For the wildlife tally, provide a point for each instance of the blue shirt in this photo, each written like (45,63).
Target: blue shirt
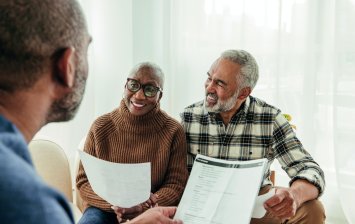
(24,197)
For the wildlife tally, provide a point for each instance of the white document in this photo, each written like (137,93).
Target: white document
(220,191)
(123,185)
(259,210)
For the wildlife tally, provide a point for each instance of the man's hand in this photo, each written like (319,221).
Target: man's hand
(286,201)
(283,204)
(157,215)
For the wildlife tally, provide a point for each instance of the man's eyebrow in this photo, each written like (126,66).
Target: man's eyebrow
(217,80)
(221,81)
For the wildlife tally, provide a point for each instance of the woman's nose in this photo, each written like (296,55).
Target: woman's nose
(139,94)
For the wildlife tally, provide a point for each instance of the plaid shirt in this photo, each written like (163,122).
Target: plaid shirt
(256,131)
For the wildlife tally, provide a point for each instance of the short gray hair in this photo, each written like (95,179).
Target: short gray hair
(249,68)
(156,71)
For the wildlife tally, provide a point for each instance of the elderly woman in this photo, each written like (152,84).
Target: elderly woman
(137,131)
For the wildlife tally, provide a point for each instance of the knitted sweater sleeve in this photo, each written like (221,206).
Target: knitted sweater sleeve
(176,176)
(89,197)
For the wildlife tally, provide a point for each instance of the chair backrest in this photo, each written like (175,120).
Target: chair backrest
(52,165)
(78,201)
(272,177)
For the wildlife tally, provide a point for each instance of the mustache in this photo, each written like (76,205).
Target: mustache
(212,95)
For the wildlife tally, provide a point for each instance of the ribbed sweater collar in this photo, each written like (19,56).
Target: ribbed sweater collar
(152,121)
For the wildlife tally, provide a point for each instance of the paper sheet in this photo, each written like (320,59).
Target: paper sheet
(220,191)
(123,185)
(259,210)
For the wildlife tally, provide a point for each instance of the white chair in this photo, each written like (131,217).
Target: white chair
(78,201)
(52,165)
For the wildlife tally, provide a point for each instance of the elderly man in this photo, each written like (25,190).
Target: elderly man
(233,125)
(43,69)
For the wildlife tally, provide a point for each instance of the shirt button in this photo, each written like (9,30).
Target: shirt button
(198,150)
(250,152)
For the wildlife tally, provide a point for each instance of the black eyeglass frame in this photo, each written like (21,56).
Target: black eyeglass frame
(157,89)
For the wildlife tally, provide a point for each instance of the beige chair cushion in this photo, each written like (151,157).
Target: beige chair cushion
(52,165)
(78,201)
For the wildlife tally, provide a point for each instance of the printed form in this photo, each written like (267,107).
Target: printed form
(221,192)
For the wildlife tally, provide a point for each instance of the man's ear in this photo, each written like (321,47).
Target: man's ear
(65,67)
(244,93)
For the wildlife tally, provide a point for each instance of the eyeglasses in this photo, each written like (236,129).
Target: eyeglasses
(149,90)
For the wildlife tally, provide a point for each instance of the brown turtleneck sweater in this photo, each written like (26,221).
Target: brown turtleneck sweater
(155,137)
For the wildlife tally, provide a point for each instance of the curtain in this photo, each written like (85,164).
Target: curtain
(344,104)
(306,56)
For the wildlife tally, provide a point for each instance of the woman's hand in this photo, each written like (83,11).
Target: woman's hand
(129,213)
